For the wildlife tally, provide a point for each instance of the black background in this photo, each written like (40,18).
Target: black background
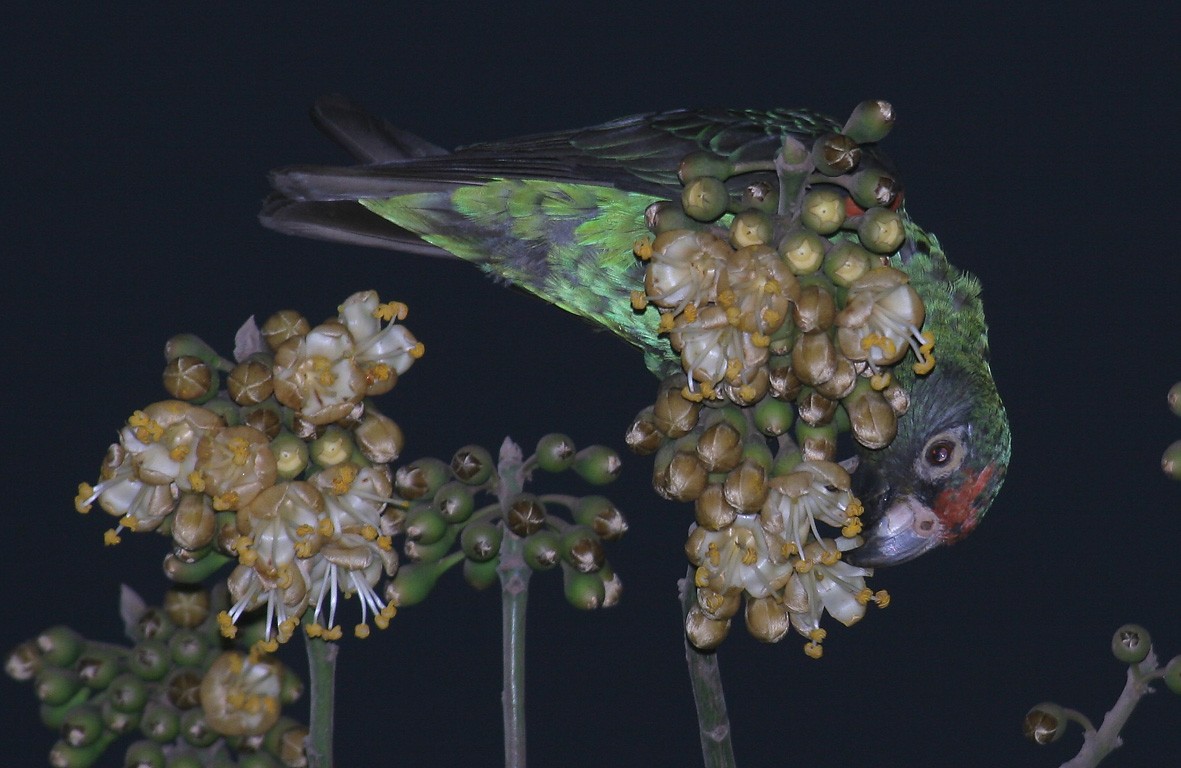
(1039,144)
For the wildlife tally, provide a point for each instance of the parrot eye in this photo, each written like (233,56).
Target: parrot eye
(941,456)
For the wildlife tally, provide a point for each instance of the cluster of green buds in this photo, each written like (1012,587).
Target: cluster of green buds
(188,697)
(773,279)
(475,510)
(283,471)
(1132,645)
(1171,460)
(775,284)
(772,520)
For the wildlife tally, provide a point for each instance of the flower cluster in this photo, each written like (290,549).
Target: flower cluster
(284,471)
(777,284)
(784,287)
(189,695)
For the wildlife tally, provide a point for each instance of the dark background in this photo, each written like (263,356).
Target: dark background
(1039,145)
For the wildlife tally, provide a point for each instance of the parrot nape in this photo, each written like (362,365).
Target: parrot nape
(557,215)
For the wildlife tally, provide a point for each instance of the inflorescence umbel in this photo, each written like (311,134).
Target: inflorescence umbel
(773,283)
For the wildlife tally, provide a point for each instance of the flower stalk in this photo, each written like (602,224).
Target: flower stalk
(514,593)
(322,694)
(713,721)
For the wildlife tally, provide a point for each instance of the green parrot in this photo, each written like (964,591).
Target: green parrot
(558,214)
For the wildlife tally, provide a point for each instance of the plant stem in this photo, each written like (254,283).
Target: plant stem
(514,592)
(322,692)
(1098,744)
(713,722)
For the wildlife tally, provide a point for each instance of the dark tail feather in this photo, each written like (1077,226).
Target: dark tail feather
(341,222)
(367,138)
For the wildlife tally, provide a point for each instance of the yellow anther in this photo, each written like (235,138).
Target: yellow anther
(747,392)
(361,631)
(241,450)
(303,549)
(924,366)
(864,596)
(750,556)
(727,298)
(733,315)
(701,577)
(179,452)
(83,501)
(642,248)
(803,566)
(689,312)
(690,395)
(418,350)
(884,343)
(713,602)
(667,323)
(813,650)
(325,527)
(197,481)
(368,532)
(227,500)
(882,598)
(789,549)
(771,317)
(267,646)
(733,369)
(146,429)
(851,528)
(225,625)
(760,340)
(639,301)
(817,634)
(771,286)
(315,629)
(390,610)
(830,556)
(391,310)
(855,508)
(129,522)
(385,543)
(111,537)
(380,372)
(715,557)
(880,381)
(333,633)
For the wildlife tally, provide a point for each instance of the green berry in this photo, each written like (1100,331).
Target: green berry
(57,685)
(1170,461)
(703,163)
(195,730)
(481,541)
(481,575)
(455,502)
(150,659)
(598,464)
(881,230)
(870,122)
(82,725)
(555,452)
(773,417)
(160,723)
(188,647)
(144,754)
(127,693)
(1131,643)
(1172,676)
(542,550)
(97,667)
(414,581)
(846,262)
(585,591)
(582,549)
(823,211)
(421,477)
(60,646)
(601,516)
(751,227)
(803,250)
(425,524)
(835,154)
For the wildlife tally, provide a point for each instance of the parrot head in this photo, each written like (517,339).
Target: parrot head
(937,479)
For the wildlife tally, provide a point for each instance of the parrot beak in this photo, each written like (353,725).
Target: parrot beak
(902,531)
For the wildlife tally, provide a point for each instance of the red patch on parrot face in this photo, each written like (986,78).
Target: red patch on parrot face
(956,507)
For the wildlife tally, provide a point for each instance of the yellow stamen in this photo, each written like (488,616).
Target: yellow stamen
(864,596)
(667,323)
(325,527)
(129,522)
(830,556)
(750,556)
(639,301)
(715,557)
(368,532)
(343,479)
(880,381)
(855,508)
(418,350)
(882,598)
(689,312)
(225,625)
(111,537)
(851,528)
(227,500)
(690,395)
(813,650)
(924,366)
(803,566)
(361,631)
(197,481)
(385,543)
(391,310)
(82,502)
(179,453)
(642,249)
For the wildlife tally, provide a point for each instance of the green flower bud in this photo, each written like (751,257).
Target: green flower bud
(543,550)
(481,575)
(750,227)
(786,459)
(455,502)
(585,591)
(188,647)
(291,455)
(127,693)
(414,581)
(745,487)
(144,754)
(1131,643)
(823,211)
(419,552)
(1170,462)
(666,216)
(755,449)
(98,666)
(1172,676)
(425,524)
(582,549)
(773,417)
(191,345)
(555,452)
(195,730)
(881,230)
(835,154)
(703,163)
(870,122)
(150,659)
(601,516)
(1045,723)
(160,722)
(705,198)
(874,188)
(420,478)
(473,464)
(712,510)
(642,436)
(1175,399)
(720,447)
(63,755)
(190,378)
(118,722)
(481,541)
(334,446)
(598,464)
(185,567)
(56,685)
(705,633)
(525,514)
(60,646)
(817,443)
(802,250)
(225,410)
(846,262)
